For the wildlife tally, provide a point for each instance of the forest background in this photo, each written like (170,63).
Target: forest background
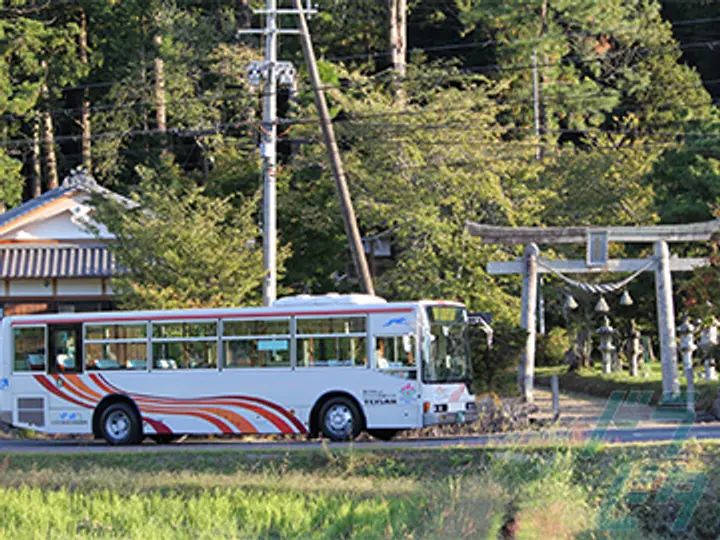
(152,98)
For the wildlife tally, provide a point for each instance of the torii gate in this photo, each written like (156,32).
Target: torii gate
(597,240)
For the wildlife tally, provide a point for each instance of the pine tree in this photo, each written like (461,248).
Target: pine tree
(603,66)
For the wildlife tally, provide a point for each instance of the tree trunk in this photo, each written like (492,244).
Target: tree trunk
(85,111)
(398,46)
(160,97)
(49,147)
(48,135)
(36,170)
(243,14)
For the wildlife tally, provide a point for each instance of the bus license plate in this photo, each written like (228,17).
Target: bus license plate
(460,416)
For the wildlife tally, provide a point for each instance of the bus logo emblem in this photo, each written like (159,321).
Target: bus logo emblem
(400,320)
(408,393)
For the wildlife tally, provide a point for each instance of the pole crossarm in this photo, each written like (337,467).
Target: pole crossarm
(577,266)
(495,234)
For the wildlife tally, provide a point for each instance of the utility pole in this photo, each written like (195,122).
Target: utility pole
(269,154)
(398,45)
(346,206)
(272,72)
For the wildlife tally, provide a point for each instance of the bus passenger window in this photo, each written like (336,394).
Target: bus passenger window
(331,351)
(185,345)
(396,355)
(244,353)
(29,349)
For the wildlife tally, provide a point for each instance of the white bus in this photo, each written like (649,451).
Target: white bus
(331,364)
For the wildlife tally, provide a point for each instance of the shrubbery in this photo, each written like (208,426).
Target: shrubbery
(491,364)
(551,347)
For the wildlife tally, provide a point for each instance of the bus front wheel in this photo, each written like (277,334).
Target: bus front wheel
(340,419)
(119,424)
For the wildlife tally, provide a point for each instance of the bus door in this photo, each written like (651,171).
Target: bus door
(65,348)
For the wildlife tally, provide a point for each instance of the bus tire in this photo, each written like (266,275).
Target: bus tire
(340,419)
(119,424)
(383,434)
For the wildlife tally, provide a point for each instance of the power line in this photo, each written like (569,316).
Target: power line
(449,46)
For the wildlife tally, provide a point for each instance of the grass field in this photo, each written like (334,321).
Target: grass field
(654,491)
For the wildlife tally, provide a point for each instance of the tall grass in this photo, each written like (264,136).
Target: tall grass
(558,492)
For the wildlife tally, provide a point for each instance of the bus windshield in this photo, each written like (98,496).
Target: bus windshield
(446,356)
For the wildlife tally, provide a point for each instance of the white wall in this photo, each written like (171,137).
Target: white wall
(64,220)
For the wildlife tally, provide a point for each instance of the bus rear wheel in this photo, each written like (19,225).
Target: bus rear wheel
(340,419)
(119,424)
(383,434)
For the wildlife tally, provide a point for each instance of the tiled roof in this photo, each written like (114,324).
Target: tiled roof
(43,261)
(78,180)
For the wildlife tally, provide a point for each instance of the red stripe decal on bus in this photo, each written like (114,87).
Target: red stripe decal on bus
(80,385)
(144,404)
(54,390)
(157,425)
(178,412)
(216,400)
(70,388)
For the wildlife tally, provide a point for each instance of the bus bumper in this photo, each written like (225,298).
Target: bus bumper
(445,418)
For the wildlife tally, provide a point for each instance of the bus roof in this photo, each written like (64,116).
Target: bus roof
(305,305)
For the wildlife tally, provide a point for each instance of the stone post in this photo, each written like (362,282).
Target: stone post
(687,343)
(687,347)
(708,339)
(636,349)
(710,373)
(555,387)
(528,321)
(606,345)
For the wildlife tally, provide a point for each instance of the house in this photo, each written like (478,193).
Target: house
(49,261)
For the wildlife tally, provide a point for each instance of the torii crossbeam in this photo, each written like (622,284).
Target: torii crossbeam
(597,240)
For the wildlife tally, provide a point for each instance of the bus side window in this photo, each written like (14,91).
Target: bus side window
(395,355)
(29,349)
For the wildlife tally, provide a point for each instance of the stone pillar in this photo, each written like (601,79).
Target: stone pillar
(687,343)
(606,345)
(687,348)
(710,374)
(666,320)
(636,349)
(708,339)
(529,321)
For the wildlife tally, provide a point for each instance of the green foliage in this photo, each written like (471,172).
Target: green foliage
(551,348)
(12,180)
(491,364)
(600,65)
(180,248)
(401,181)
(701,293)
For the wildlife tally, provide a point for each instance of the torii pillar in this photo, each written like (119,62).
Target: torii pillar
(528,321)
(666,320)
(597,239)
